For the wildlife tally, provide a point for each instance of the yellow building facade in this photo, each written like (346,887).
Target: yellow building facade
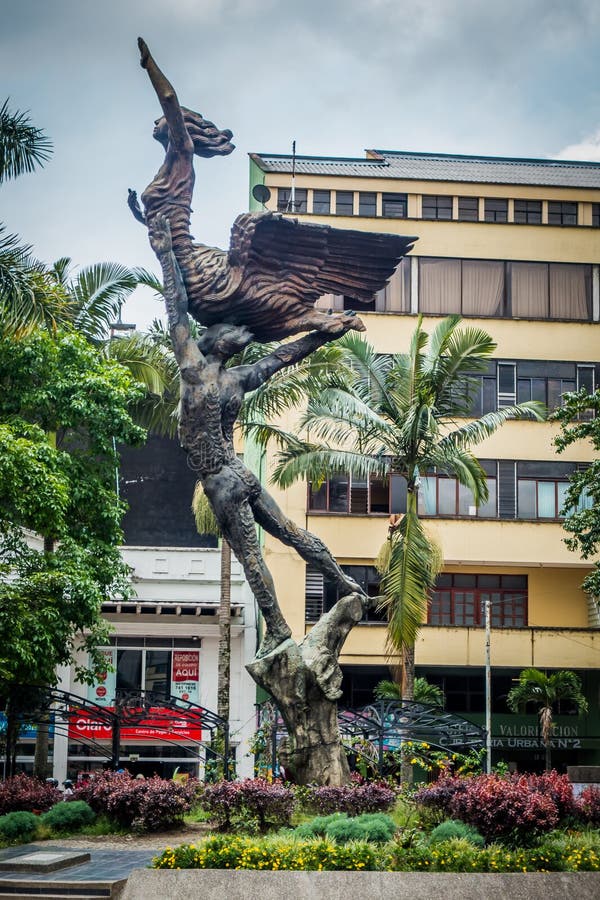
(514,246)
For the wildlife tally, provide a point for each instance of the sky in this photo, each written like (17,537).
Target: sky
(516,78)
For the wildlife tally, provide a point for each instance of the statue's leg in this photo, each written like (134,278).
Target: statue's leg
(309,547)
(240,533)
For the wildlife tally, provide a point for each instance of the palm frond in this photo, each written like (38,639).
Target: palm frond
(410,576)
(478,430)
(317,463)
(98,292)
(29,295)
(22,145)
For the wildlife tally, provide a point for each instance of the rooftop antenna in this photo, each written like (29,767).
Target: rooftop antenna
(293,191)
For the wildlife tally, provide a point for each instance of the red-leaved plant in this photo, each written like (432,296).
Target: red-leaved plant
(154,804)
(24,793)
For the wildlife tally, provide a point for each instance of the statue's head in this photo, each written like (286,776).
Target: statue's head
(208,140)
(224,340)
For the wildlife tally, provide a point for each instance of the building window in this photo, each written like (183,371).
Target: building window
(460,600)
(441,495)
(394,206)
(550,290)
(344,203)
(367,203)
(490,288)
(468,209)
(528,212)
(562,213)
(321,203)
(495,209)
(320,596)
(284,200)
(596,215)
(436,206)
(349,495)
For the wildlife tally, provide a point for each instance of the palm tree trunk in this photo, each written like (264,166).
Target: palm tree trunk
(42,735)
(408,672)
(408,693)
(224,666)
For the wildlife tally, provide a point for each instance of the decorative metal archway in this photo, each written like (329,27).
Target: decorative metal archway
(158,714)
(374,730)
(386,725)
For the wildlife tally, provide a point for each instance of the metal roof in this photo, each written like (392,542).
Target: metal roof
(442,167)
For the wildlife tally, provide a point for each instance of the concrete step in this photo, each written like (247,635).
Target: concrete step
(60,890)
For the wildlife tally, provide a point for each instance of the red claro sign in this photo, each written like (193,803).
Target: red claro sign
(160,724)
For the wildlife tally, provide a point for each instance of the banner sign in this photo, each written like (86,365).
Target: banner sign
(159,724)
(103,692)
(185,675)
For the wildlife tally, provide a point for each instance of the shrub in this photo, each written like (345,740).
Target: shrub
(154,804)
(451,829)
(18,826)
(71,816)
(588,805)
(271,803)
(254,798)
(224,852)
(373,827)
(510,808)
(22,792)
(558,788)
(353,799)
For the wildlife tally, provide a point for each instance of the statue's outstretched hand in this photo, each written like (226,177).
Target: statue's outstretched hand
(144,53)
(160,235)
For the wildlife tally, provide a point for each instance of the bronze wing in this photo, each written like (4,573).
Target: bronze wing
(284,266)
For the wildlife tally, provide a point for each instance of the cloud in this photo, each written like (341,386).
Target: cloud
(588,149)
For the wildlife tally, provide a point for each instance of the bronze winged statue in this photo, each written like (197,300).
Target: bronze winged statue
(276,267)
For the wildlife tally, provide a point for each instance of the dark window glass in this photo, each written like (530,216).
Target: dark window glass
(284,200)
(344,203)
(596,215)
(436,206)
(321,203)
(528,212)
(495,209)
(468,209)
(393,206)
(317,496)
(338,494)
(367,203)
(562,213)
(158,672)
(129,670)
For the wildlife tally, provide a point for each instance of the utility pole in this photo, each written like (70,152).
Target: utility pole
(487,605)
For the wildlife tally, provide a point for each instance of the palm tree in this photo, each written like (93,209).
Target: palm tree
(545,691)
(398,413)
(424,692)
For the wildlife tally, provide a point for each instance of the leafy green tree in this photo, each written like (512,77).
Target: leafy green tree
(63,407)
(580,421)
(545,692)
(399,413)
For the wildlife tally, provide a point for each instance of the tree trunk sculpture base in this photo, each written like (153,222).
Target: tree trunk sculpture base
(305,682)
